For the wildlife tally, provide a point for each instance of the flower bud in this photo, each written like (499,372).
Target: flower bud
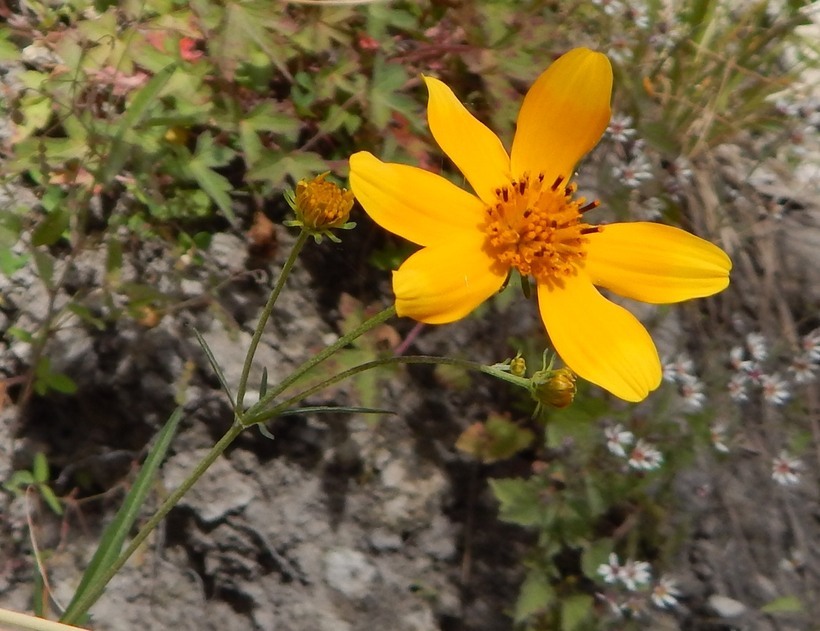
(322,205)
(557,390)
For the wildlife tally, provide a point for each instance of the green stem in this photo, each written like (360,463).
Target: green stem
(265,415)
(263,320)
(95,590)
(343,341)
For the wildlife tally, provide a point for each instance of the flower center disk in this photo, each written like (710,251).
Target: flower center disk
(537,228)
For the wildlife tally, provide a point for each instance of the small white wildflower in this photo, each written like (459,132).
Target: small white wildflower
(775,389)
(680,169)
(645,457)
(620,128)
(737,359)
(758,348)
(810,344)
(754,373)
(680,368)
(737,388)
(786,469)
(620,49)
(611,604)
(638,15)
(611,571)
(617,438)
(803,369)
(717,433)
(634,172)
(665,593)
(610,7)
(652,209)
(635,574)
(691,390)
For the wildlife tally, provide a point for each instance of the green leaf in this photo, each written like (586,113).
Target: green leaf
(333,409)
(40,467)
(575,611)
(386,94)
(137,109)
(594,555)
(51,228)
(61,383)
(215,365)
(51,499)
(784,604)
(536,595)
(215,185)
(118,530)
(44,263)
(275,168)
(519,499)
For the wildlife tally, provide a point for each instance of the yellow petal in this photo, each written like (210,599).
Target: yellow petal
(471,145)
(656,263)
(444,283)
(413,203)
(599,340)
(563,115)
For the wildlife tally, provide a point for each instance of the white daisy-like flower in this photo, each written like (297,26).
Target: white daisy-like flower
(610,7)
(620,128)
(810,344)
(737,387)
(803,369)
(635,574)
(617,438)
(737,359)
(645,457)
(637,15)
(680,368)
(665,593)
(775,389)
(611,571)
(620,49)
(717,434)
(634,172)
(757,345)
(652,209)
(691,390)
(786,469)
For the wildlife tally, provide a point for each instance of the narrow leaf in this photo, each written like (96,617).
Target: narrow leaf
(215,365)
(115,534)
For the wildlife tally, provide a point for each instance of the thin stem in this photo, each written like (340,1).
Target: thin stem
(31,623)
(265,415)
(95,590)
(343,341)
(263,319)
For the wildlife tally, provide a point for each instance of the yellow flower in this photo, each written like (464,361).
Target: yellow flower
(523,215)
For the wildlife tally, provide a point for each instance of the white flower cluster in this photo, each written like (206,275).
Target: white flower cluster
(681,371)
(641,456)
(633,589)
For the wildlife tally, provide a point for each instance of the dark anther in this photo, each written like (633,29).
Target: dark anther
(591,230)
(505,194)
(527,213)
(557,182)
(522,186)
(540,177)
(589,206)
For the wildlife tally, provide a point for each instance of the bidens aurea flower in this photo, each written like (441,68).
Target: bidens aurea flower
(524,216)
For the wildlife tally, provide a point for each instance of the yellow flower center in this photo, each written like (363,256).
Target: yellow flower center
(536,228)
(322,204)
